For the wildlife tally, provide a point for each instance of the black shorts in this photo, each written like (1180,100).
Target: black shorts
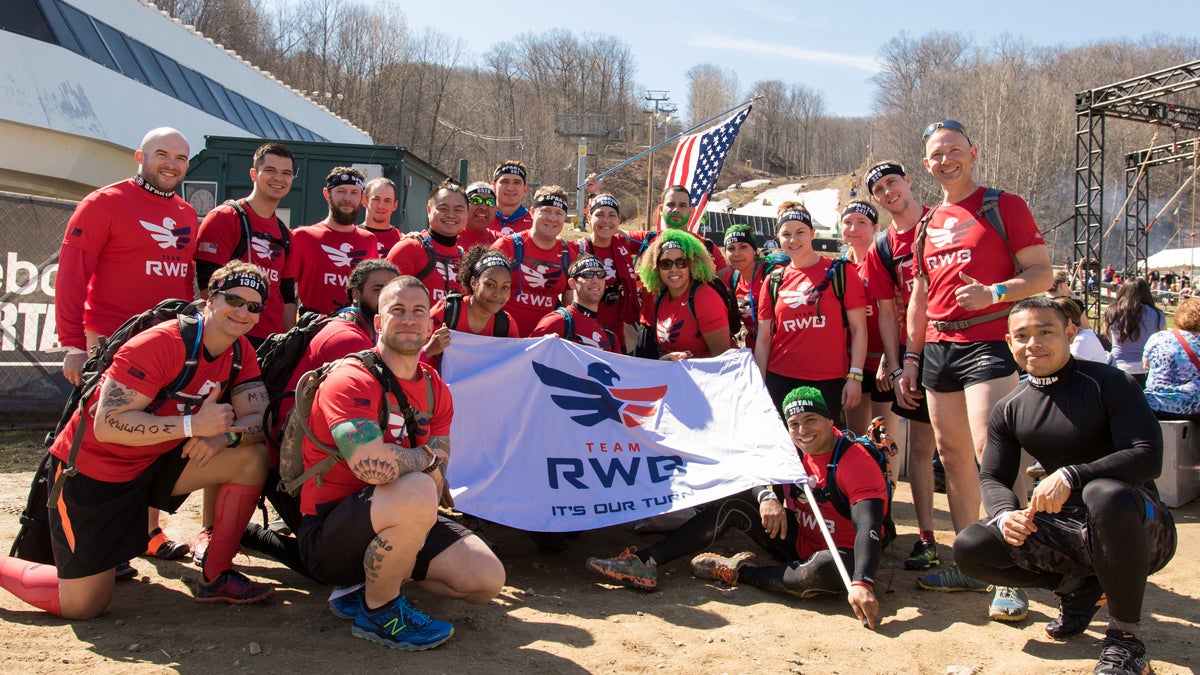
(868,388)
(921,412)
(954,366)
(1063,544)
(97,525)
(333,542)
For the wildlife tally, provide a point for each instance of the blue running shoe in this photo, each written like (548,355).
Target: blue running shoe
(950,580)
(398,626)
(347,603)
(1009,604)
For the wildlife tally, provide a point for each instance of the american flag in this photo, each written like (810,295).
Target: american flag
(698,161)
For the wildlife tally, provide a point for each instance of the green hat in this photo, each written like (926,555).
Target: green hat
(805,399)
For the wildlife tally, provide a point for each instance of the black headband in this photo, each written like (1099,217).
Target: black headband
(671,245)
(740,237)
(586,263)
(550,200)
(794,214)
(863,208)
(343,179)
(509,168)
(250,281)
(605,200)
(882,170)
(489,261)
(482,190)
(803,405)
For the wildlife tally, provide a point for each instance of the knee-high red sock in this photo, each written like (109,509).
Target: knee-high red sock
(235,506)
(34,583)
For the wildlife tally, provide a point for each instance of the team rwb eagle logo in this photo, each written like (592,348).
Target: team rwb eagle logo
(668,330)
(949,233)
(168,235)
(594,399)
(265,249)
(344,255)
(540,276)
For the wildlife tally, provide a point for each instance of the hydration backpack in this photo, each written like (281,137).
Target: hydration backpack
(454,306)
(881,449)
(284,241)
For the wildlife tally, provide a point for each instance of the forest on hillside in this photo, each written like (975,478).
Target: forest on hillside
(529,97)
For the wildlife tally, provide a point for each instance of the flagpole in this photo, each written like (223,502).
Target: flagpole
(674,138)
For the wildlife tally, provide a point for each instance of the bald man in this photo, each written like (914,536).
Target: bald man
(128,246)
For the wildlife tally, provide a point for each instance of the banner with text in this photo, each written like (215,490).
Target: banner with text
(551,436)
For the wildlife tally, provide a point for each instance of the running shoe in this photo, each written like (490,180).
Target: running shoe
(924,555)
(345,602)
(1009,604)
(1076,610)
(1035,471)
(628,569)
(200,546)
(950,580)
(399,626)
(125,571)
(1123,654)
(160,546)
(721,568)
(231,587)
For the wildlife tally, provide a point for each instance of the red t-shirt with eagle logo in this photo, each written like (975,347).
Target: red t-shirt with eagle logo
(324,260)
(537,282)
(677,329)
(410,257)
(349,392)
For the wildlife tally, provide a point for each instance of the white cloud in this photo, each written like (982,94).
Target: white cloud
(866,63)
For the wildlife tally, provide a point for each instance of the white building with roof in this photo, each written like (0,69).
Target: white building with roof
(84,80)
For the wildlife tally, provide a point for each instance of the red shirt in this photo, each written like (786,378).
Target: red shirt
(324,260)
(537,282)
(874,339)
(747,292)
(386,238)
(520,221)
(677,329)
(469,238)
(350,392)
(619,259)
(219,235)
(858,477)
(879,281)
(810,338)
(588,330)
(639,236)
(438,314)
(124,251)
(150,361)
(336,339)
(410,257)
(957,242)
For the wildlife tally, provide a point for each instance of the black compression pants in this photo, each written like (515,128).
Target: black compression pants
(796,577)
(1122,535)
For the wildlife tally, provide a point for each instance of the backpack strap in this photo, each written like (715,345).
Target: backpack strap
(570,323)
(518,256)
(243,245)
(990,211)
(883,246)
(774,282)
(454,303)
(430,257)
(500,324)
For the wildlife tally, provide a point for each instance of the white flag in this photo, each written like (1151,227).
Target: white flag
(551,436)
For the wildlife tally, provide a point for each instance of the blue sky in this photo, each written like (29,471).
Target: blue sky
(829,46)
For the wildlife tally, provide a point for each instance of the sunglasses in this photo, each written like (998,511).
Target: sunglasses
(476,200)
(945,124)
(665,264)
(237,302)
(591,274)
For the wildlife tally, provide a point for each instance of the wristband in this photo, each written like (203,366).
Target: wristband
(767,494)
(865,584)
(995,294)
(1066,477)
(433,458)
(856,371)
(1000,291)
(187,426)
(856,377)
(912,356)
(234,439)
(897,373)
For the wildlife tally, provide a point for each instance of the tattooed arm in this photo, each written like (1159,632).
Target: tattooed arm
(249,403)
(121,418)
(440,445)
(372,460)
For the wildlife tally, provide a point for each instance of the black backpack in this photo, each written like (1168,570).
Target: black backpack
(454,305)
(519,255)
(278,357)
(880,451)
(284,240)
(432,257)
(33,539)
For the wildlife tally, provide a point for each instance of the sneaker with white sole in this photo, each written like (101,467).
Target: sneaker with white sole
(950,580)
(1009,604)
(398,626)
(1123,654)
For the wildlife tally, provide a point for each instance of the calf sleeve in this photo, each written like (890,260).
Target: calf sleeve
(35,583)
(235,506)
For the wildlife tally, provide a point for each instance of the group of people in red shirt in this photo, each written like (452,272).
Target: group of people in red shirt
(911,322)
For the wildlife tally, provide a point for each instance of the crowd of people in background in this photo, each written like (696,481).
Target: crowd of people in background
(943,316)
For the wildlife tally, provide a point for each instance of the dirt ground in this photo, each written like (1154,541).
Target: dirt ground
(553,617)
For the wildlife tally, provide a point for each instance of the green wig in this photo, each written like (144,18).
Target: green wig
(693,249)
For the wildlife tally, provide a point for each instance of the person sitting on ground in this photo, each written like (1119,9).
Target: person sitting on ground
(1173,368)
(786,530)
(1095,527)
(1086,345)
(580,323)
(672,328)
(373,516)
(138,451)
